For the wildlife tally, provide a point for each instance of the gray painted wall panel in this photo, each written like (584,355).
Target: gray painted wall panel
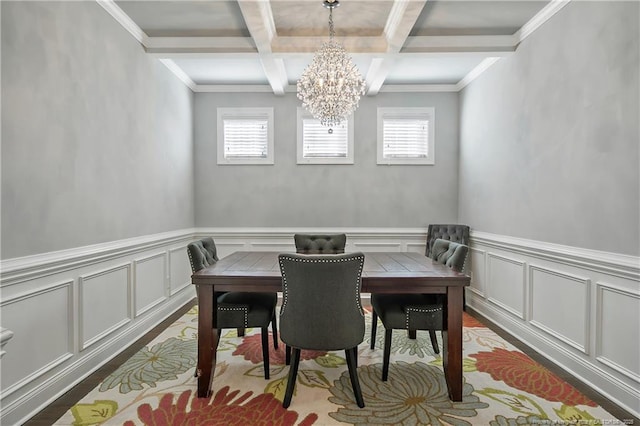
(359,195)
(549,139)
(96,135)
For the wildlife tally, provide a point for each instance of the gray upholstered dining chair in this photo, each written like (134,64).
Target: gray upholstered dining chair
(411,311)
(238,309)
(317,244)
(320,244)
(456,233)
(452,232)
(321,310)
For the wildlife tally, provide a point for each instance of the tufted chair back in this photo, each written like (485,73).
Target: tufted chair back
(321,306)
(456,233)
(320,244)
(202,253)
(449,253)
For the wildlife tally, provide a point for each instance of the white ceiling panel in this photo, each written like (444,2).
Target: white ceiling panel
(223,71)
(431,70)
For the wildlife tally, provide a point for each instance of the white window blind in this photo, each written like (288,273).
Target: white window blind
(406,135)
(318,142)
(246,138)
(405,138)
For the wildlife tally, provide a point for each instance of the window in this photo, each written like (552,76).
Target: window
(319,144)
(245,135)
(406,136)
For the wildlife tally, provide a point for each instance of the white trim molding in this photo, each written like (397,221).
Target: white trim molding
(5,336)
(79,337)
(568,283)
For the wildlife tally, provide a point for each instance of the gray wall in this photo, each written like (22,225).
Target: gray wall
(359,195)
(549,137)
(96,135)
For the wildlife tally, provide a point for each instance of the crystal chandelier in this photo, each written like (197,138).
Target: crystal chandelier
(331,86)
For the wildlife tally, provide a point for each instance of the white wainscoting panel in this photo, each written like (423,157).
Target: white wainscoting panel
(579,308)
(506,281)
(374,246)
(73,310)
(49,325)
(618,338)
(149,281)
(225,247)
(179,268)
(105,303)
(477,271)
(560,305)
(229,240)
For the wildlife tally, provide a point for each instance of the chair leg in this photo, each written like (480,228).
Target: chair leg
(387,354)
(240,332)
(374,326)
(293,374)
(195,373)
(265,351)
(287,354)
(274,330)
(464,299)
(434,341)
(412,334)
(352,364)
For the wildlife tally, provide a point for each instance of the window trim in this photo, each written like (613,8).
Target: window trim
(240,113)
(405,112)
(349,159)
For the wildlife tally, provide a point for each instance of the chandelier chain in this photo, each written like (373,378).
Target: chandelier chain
(332,32)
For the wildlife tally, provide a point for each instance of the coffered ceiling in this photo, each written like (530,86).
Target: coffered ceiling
(264,45)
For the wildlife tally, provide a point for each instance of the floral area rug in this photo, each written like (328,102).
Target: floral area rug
(502,385)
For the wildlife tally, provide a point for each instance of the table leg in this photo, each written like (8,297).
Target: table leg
(207,339)
(452,350)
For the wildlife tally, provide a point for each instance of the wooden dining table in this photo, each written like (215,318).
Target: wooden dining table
(384,272)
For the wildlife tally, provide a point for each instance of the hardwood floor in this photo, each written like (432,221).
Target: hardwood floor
(54,411)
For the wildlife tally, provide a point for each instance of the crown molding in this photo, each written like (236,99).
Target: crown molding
(475,73)
(178,72)
(410,88)
(233,88)
(124,20)
(540,18)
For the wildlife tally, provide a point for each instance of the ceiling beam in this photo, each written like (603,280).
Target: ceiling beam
(259,20)
(401,19)
(179,45)
(363,44)
(282,46)
(455,44)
